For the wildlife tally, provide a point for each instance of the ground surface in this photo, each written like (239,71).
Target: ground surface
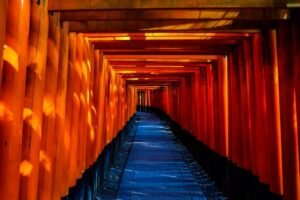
(160,167)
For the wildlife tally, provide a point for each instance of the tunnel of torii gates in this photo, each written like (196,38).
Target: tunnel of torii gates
(73,71)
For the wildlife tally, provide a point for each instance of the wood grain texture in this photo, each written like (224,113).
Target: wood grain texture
(13,79)
(49,136)
(35,80)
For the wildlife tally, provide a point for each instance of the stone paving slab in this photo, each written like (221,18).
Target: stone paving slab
(156,167)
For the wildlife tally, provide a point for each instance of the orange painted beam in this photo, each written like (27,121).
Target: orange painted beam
(177,14)
(161,44)
(152,4)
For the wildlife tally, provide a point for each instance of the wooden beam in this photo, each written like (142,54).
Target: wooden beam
(181,44)
(162,70)
(165,36)
(111,37)
(162,58)
(152,83)
(157,63)
(260,14)
(55,5)
(163,74)
(199,51)
(164,26)
(151,79)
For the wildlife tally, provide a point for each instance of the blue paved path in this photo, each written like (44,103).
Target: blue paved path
(156,167)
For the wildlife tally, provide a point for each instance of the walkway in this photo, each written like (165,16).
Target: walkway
(160,167)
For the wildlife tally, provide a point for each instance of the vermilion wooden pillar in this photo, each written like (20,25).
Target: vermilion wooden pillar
(3,10)
(190,102)
(33,106)
(164,100)
(177,105)
(71,106)
(48,144)
(110,104)
(97,100)
(210,107)
(288,113)
(235,129)
(296,61)
(245,74)
(59,169)
(98,93)
(170,100)
(88,136)
(180,100)
(91,154)
(172,89)
(259,106)
(105,89)
(171,96)
(92,106)
(174,102)
(197,98)
(184,104)
(75,113)
(12,94)
(223,105)
(254,64)
(203,105)
(194,112)
(78,138)
(217,112)
(271,141)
